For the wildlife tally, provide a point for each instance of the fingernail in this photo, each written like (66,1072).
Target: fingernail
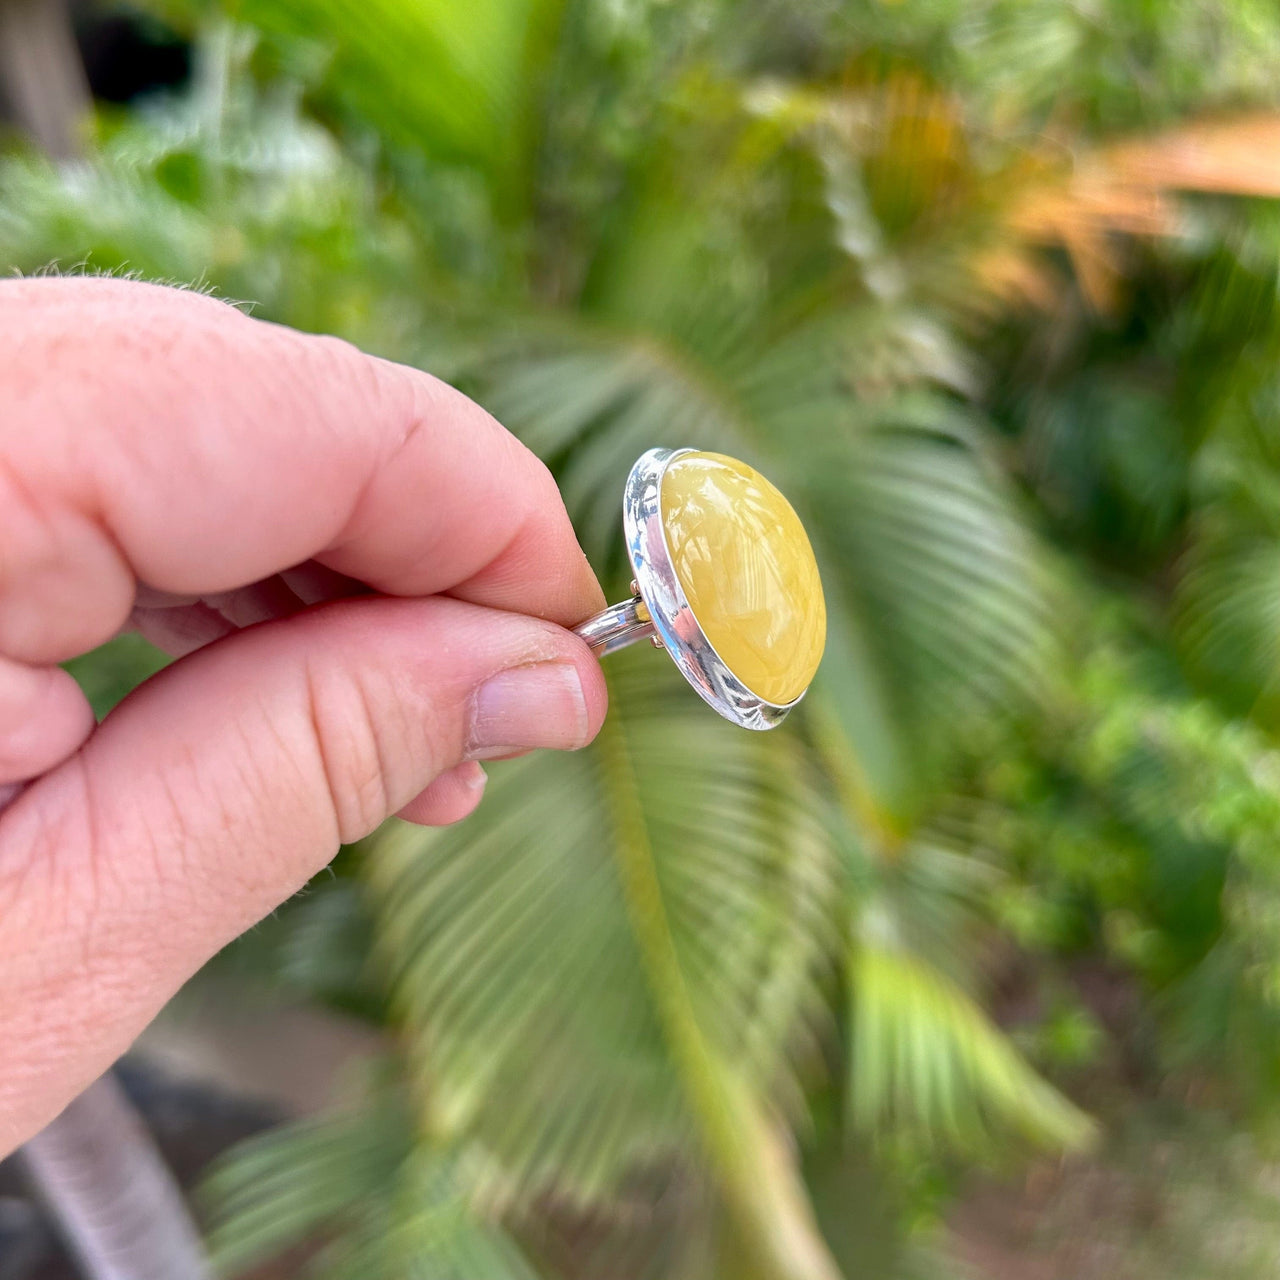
(541,705)
(473,776)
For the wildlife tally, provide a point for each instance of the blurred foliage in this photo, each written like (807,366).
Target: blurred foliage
(108,674)
(989,289)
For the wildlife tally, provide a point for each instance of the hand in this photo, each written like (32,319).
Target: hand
(368,576)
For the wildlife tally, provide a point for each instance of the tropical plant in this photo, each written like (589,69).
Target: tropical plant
(847,244)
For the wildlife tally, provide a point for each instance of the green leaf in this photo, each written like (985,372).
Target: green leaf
(614,965)
(356,1194)
(925,1059)
(471,99)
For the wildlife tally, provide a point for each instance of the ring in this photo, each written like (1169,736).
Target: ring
(725,581)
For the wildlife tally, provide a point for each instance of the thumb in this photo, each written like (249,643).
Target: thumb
(223,784)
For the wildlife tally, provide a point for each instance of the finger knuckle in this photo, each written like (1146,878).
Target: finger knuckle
(349,737)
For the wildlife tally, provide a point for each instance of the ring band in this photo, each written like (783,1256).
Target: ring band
(618,626)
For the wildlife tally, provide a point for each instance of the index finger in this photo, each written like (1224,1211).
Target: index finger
(156,435)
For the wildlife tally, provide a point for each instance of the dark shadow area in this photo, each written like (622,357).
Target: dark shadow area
(128,54)
(192,1124)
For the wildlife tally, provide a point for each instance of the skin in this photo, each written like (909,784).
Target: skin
(367,581)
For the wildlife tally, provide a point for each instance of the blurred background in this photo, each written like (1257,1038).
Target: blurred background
(973,970)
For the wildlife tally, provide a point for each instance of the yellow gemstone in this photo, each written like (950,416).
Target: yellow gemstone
(747,569)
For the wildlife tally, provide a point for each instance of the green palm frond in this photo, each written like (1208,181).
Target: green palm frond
(930,892)
(934,558)
(1230,619)
(1228,615)
(925,1059)
(615,967)
(590,402)
(355,1195)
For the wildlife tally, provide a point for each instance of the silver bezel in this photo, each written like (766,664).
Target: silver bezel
(672,617)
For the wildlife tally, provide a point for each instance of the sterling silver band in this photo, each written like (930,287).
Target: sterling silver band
(617,626)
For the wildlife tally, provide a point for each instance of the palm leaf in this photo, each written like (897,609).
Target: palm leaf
(356,1195)
(926,1059)
(617,964)
(1227,619)
(934,558)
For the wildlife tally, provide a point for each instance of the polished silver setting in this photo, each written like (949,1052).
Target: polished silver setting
(657,593)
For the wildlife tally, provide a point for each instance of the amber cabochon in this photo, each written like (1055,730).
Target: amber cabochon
(747,569)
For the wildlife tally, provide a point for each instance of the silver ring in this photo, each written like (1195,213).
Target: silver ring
(660,610)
